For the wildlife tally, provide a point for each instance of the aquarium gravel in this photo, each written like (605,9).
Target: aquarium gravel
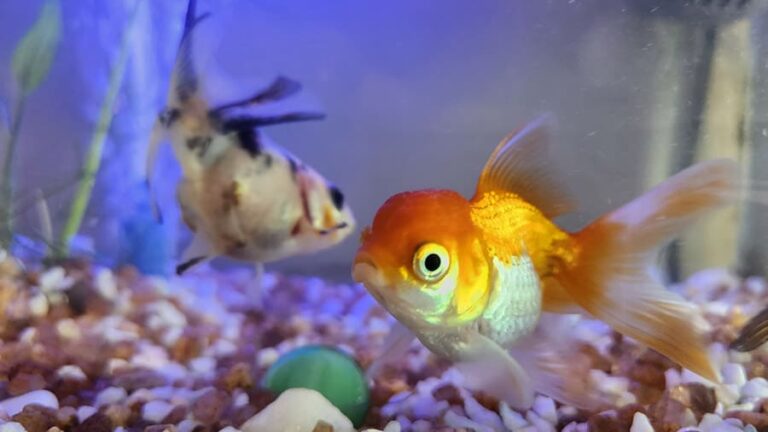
(90,349)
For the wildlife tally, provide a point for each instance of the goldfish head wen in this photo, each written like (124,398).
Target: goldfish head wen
(423,259)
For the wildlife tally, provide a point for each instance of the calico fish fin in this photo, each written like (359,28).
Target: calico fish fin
(155,139)
(753,334)
(281,88)
(521,164)
(199,250)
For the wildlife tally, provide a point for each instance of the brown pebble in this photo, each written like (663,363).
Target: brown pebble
(207,409)
(448,393)
(137,379)
(238,376)
(260,398)
(177,414)
(626,414)
(758,420)
(322,426)
(118,414)
(25,382)
(648,374)
(186,347)
(160,428)
(696,396)
(597,360)
(667,415)
(604,423)
(98,422)
(66,417)
(36,418)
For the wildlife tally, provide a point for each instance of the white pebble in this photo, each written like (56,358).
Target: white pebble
(576,427)
(672,378)
(539,423)
(140,395)
(188,425)
(68,329)
(728,394)
(392,426)
(734,373)
(164,314)
(512,419)
(55,279)
(421,426)
(12,427)
(240,399)
(223,348)
(84,412)
(229,429)
(458,421)
(482,415)
(202,365)
(640,423)
(28,335)
(71,372)
(266,357)
(173,371)
(282,415)
(14,405)
(756,388)
(110,396)
(38,305)
(156,410)
(545,407)
(755,285)
(106,284)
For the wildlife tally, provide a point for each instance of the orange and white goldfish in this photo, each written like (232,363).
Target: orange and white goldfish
(243,196)
(753,334)
(471,278)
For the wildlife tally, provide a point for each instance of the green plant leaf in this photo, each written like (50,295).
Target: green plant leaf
(34,53)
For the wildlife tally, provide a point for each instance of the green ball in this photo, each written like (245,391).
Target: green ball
(329,371)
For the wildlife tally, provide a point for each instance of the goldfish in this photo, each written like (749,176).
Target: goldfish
(242,195)
(473,279)
(753,334)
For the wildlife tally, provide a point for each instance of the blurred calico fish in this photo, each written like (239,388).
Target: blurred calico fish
(470,278)
(753,334)
(243,196)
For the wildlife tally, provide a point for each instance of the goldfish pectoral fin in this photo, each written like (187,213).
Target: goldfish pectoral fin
(521,164)
(489,368)
(396,345)
(753,334)
(551,357)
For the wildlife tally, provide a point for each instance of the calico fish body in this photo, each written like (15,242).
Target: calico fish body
(241,194)
(472,278)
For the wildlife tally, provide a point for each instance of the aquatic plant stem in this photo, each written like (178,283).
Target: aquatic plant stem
(96,146)
(6,194)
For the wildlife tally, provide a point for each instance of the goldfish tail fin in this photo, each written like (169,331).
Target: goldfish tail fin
(612,277)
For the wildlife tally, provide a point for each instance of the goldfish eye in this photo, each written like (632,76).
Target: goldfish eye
(431,262)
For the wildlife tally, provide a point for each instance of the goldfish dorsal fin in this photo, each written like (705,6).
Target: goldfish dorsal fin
(521,164)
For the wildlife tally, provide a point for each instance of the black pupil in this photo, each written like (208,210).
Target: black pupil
(432,262)
(337,197)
